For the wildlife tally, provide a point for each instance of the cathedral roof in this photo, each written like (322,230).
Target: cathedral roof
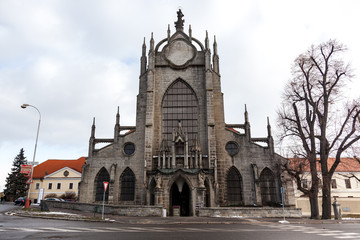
(53,165)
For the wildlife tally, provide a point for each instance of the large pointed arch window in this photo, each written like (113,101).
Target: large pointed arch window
(180,104)
(234,187)
(102,176)
(127,181)
(267,187)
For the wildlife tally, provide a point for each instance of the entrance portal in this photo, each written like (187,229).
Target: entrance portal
(180,199)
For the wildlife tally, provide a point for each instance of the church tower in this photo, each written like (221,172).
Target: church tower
(181,154)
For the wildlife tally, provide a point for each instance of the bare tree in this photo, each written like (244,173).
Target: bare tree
(310,116)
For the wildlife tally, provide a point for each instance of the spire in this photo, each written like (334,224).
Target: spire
(144,48)
(207,41)
(93,129)
(215,57)
(246,115)
(247,125)
(143,60)
(92,139)
(268,127)
(168,32)
(179,24)
(270,138)
(117,125)
(118,116)
(152,43)
(215,46)
(190,32)
(151,57)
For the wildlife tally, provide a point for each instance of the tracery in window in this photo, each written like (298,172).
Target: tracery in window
(180,103)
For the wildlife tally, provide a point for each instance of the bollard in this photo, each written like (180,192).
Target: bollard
(163,212)
(337,211)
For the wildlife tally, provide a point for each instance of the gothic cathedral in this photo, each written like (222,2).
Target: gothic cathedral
(181,154)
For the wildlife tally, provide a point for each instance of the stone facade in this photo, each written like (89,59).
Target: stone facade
(181,154)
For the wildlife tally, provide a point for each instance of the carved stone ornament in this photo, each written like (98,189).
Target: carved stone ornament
(179,53)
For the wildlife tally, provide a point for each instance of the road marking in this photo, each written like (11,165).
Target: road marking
(313,230)
(52,229)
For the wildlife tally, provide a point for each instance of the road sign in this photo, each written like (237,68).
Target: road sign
(26,169)
(106,184)
(29,181)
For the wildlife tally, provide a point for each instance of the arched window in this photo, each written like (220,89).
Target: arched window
(267,187)
(180,103)
(127,181)
(102,176)
(234,187)
(152,191)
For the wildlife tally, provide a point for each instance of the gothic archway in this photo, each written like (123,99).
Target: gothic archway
(180,198)
(234,187)
(101,177)
(267,187)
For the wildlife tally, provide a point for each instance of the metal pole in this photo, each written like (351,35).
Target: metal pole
(283,205)
(27,203)
(103,207)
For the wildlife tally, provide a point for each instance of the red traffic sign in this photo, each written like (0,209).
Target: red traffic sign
(106,184)
(29,181)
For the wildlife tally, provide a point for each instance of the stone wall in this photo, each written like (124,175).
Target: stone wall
(243,212)
(130,210)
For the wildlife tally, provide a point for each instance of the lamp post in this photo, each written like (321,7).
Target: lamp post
(27,203)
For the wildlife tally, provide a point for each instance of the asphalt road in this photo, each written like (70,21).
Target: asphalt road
(14,227)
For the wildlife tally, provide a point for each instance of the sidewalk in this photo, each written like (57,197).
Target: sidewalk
(74,215)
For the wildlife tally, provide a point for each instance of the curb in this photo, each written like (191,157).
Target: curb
(168,220)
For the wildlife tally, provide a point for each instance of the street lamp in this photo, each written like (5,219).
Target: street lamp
(27,203)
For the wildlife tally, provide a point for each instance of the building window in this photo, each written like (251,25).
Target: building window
(50,186)
(180,104)
(129,148)
(304,183)
(37,186)
(71,185)
(102,176)
(127,185)
(58,186)
(232,148)
(347,183)
(234,187)
(267,187)
(333,183)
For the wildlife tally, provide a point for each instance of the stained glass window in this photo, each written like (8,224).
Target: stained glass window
(103,176)
(127,185)
(234,187)
(180,104)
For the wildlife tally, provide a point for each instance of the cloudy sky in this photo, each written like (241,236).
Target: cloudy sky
(75,60)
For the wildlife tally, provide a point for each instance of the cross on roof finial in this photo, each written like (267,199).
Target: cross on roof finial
(179,24)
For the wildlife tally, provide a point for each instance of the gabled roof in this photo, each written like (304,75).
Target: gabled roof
(50,166)
(345,165)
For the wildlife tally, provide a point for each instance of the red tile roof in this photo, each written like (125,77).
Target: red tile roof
(345,165)
(50,166)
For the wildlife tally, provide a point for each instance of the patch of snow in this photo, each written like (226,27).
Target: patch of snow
(55,213)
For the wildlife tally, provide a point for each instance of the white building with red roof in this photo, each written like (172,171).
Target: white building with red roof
(345,186)
(56,177)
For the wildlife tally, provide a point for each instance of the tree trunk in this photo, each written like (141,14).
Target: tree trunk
(326,198)
(314,205)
